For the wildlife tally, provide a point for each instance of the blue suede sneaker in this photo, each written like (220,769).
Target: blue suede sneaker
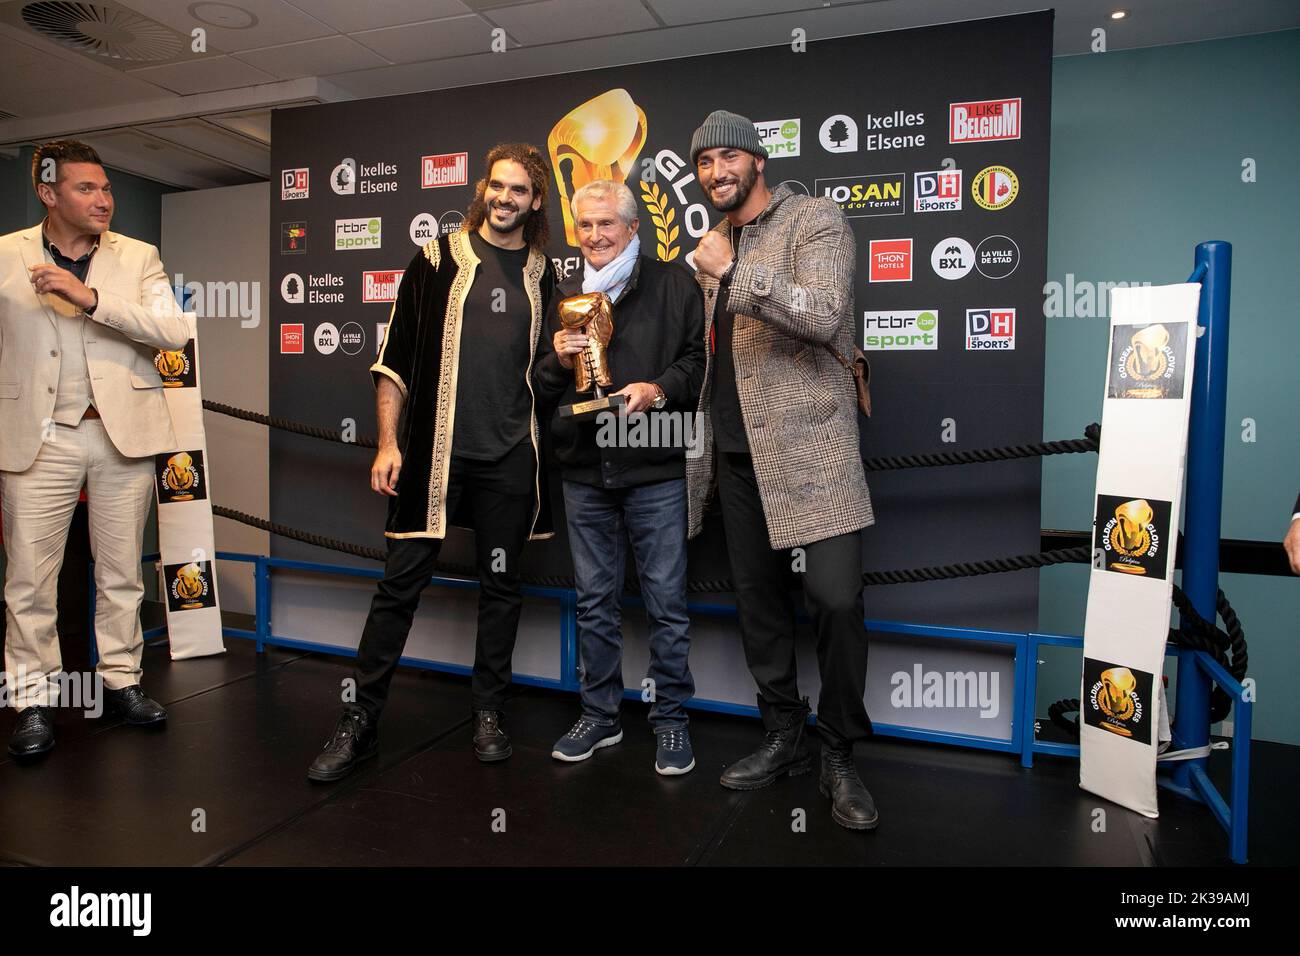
(584,739)
(674,754)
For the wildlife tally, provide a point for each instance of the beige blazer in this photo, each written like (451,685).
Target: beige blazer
(137,315)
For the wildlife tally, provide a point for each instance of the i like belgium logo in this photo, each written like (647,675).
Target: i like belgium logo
(190,586)
(180,477)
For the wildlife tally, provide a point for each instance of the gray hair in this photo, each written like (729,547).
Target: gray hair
(624,201)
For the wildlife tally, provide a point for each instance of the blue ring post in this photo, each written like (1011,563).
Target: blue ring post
(1203,507)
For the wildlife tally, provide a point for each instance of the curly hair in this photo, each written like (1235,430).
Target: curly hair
(537,228)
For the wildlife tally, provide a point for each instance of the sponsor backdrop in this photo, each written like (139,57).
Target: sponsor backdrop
(1140,469)
(934,142)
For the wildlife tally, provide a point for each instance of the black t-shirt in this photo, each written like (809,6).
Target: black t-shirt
(728,422)
(493,403)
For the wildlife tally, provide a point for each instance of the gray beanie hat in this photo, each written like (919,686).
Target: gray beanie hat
(722,128)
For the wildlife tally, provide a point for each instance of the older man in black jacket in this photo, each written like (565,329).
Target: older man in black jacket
(630,472)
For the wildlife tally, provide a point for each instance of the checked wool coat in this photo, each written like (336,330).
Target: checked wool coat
(792,294)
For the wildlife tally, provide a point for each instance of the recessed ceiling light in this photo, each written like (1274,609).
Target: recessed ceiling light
(224,15)
(1119,14)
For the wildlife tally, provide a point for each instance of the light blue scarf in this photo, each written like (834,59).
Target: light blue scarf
(611,279)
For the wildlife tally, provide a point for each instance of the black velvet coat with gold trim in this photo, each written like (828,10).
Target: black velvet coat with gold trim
(421,353)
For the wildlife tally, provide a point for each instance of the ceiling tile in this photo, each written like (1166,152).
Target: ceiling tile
(213,141)
(144,156)
(277,22)
(433,40)
(674,12)
(553,21)
(254,124)
(204,76)
(347,16)
(336,54)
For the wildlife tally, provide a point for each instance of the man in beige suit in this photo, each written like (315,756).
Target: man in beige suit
(82,313)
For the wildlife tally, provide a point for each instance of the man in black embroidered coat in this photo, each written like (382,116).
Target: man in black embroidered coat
(459,438)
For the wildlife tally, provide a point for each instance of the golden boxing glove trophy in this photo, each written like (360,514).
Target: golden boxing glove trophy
(591,313)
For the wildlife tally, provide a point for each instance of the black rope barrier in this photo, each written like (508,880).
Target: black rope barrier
(1072,446)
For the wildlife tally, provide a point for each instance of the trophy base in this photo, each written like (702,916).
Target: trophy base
(581,411)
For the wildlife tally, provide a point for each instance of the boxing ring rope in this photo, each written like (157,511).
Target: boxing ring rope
(1200,647)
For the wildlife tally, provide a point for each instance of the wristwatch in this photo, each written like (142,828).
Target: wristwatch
(660,398)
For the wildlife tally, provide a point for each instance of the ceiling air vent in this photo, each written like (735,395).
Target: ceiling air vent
(105,31)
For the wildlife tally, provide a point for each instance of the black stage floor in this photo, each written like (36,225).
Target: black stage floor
(242,731)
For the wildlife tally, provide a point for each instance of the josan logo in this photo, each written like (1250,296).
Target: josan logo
(990,329)
(952,258)
(294,183)
(357,234)
(780,137)
(995,187)
(900,331)
(937,191)
(839,134)
(860,196)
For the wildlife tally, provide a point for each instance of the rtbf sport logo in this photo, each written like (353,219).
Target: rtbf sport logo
(444,169)
(294,183)
(937,191)
(982,121)
(990,329)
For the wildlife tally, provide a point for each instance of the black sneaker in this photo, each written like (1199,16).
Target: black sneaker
(490,739)
(355,739)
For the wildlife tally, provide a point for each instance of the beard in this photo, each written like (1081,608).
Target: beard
(744,184)
(516,221)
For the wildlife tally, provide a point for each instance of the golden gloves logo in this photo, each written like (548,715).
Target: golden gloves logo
(176,366)
(189,586)
(180,477)
(1146,361)
(1132,540)
(601,139)
(1117,699)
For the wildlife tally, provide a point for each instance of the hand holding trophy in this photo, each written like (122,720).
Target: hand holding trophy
(592,314)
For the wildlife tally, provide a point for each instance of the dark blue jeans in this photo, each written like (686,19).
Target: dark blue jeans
(654,516)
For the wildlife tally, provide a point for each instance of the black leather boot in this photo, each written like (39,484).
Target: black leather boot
(355,738)
(34,732)
(133,706)
(782,751)
(490,739)
(851,804)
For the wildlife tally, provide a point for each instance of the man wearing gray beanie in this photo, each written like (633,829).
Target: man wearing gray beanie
(779,416)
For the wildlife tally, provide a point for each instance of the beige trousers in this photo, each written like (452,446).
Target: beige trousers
(38,504)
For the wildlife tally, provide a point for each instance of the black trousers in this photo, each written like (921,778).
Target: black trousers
(496,498)
(832,590)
